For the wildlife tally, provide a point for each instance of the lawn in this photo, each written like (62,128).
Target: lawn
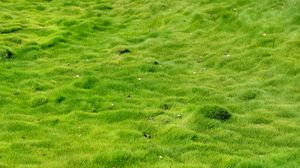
(148,83)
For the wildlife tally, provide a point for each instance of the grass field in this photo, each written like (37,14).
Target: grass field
(148,83)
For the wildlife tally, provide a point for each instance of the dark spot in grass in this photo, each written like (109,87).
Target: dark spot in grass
(124,51)
(148,136)
(165,107)
(87,83)
(40,7)
(111,107)
(94,110)
(215,112)
(155,63)
(179,116)
(151,70)
(104,7)
(5,53)
(60,99)
(296,20)
(16,93)
(10,29)
(155,114)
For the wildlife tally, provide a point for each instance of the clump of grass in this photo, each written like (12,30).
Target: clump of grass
(60,99)
(39,101)
(5,53)
(40,7)
(215,112)
(103,7)
(250,94)
(165,106)
(87,83)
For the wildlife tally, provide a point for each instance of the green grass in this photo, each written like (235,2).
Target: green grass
(69,96)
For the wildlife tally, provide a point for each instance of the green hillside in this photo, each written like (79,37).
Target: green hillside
(148,83)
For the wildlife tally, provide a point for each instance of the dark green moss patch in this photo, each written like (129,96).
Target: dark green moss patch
(215,112)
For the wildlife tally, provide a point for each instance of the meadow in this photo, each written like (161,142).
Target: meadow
(149,83)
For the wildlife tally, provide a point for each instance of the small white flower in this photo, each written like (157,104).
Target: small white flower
(161,157)
(77,76)
(139,79)
(264,34)
(112,104)
(194,72)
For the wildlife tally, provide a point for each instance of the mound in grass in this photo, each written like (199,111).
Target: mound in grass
(215,112)
(39,101)
(250,94)
(5,53)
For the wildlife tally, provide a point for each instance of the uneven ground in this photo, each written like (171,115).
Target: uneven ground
(69,98)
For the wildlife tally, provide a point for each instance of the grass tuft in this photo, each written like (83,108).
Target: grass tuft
(5,53)
(87,83)
(39,101)
(215,112)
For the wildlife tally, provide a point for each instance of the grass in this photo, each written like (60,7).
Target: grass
(214,112)
(100,83)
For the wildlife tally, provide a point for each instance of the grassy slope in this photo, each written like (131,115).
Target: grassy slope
(239,54)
